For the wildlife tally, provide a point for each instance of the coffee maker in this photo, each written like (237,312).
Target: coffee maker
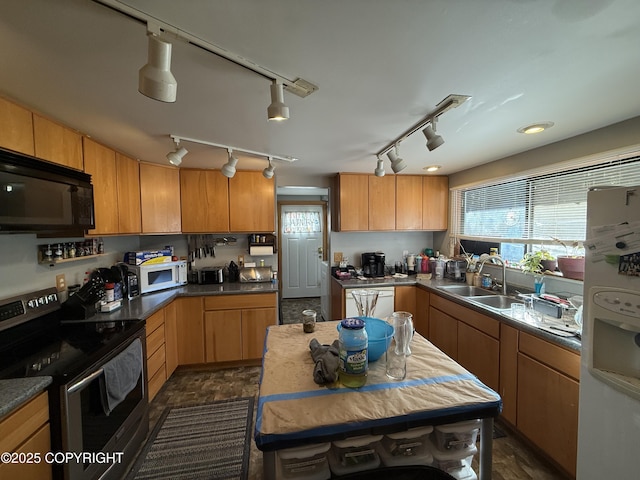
(373,264)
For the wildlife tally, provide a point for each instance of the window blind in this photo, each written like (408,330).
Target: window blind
(539,207)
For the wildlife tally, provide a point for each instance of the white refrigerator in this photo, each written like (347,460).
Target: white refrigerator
(609,410)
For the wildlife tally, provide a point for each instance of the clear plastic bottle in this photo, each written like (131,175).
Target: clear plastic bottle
(354,356)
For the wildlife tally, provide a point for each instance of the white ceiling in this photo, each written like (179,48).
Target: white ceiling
(381,67)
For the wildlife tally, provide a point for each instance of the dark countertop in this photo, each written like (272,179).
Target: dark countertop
(144,306)
(571,343)
(15,392)
(376,282)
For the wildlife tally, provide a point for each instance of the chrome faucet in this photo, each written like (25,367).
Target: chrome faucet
(494,259)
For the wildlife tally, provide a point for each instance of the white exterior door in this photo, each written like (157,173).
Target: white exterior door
(301,232)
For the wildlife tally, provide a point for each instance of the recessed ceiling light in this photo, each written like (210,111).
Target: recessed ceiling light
(432,168)
(535,128)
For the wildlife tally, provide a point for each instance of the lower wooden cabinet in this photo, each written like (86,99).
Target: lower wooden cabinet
(405,299)
(156,354)
(467,336)
(421,317)
(443,332)
(548,394)
(235,325)
(190,330)
(254,330)
(537,380)
(27,431)
(479,353)
(223,335)
(509,372)
(171,337)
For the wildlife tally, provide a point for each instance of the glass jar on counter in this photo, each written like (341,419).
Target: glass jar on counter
(354,342)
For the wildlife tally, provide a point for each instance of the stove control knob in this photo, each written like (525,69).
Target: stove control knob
(33,303)
(36,367)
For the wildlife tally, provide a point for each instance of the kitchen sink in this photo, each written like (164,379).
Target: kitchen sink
(465,290)
(500,302)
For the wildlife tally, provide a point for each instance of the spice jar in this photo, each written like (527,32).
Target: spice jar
(109,290)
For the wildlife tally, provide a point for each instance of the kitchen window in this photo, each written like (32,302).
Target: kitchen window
(532,209)
(301,222)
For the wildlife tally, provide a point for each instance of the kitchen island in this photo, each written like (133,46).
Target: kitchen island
(293,410)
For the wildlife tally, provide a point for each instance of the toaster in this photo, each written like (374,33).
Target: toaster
(209,275)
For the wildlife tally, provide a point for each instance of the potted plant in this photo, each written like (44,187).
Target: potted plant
(571,265)
(538,262)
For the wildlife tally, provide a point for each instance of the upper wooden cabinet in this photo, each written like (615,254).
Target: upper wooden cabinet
(382,203)
(160,198)
(57,143)
(100,163)
(408,202)
(394,202)
(16,128)
(116,189)
(435,203)
(128,187)
(251,203)
(205,201)
(352,200)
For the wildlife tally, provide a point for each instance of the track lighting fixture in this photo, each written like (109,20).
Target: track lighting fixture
(229,168)
(175,157)
(230,148)
(433,139)
(277,110)
(379,171)
(268,172)
(397,163)
(155,79)
(428,125)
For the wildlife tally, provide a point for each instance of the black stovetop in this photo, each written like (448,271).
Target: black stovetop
(46,346)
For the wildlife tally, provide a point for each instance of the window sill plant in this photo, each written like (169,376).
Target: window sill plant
(572,264)
(538,262)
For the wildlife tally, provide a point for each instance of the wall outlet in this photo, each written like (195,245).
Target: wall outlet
(337,257)
(61,283)
(240,261)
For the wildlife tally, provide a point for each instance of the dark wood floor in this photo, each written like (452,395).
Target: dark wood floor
(512,460)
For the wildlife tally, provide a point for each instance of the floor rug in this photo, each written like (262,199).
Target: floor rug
(200,442)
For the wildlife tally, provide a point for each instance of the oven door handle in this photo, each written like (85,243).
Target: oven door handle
(85,381)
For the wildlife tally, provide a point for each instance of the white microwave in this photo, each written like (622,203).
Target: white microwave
(158,276)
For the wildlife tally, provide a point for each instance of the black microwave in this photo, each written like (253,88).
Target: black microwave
(43,198)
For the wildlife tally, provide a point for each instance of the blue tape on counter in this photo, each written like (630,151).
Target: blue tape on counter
(365,388)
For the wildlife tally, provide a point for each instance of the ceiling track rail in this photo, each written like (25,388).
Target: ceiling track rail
(298,86)
(450,102)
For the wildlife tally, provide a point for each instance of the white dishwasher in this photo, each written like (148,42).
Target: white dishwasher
(384,306)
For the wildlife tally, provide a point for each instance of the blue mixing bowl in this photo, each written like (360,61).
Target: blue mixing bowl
(379,333)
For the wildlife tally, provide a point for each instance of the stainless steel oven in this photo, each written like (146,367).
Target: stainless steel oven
(36,340)
(85,427)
